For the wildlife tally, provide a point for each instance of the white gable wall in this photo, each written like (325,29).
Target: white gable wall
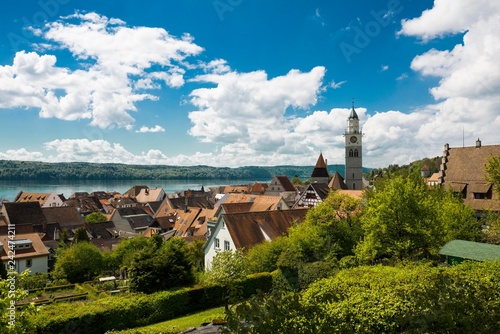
(221,232)
(53,200)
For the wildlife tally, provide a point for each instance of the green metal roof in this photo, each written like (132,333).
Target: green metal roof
(471,250)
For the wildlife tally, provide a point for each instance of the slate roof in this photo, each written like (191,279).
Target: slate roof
(139,222)
(192,201)
(471,250)
(286,183)
(320,169)
(251,228)
(102,230)
(132,211)
(321,189)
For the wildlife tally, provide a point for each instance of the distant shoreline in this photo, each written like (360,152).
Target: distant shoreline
(71,171)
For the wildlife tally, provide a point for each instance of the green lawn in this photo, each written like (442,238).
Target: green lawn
(178,324)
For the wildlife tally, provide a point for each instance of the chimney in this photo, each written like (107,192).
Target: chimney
(478,143)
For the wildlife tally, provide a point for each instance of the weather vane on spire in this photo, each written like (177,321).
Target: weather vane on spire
(353,103)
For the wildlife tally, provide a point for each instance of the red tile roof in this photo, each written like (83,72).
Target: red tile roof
(251,228)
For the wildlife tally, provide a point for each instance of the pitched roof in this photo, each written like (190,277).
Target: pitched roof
(259,202)
(134,191)
(471,250)
(150,195)
(320,169)
(102,230)
(251,228)
(31,197)
(237,207)
(337,182)
(63,215)
(321,189)
(192,201)
(467,164)
(434,178)
(131,211)
(465,171)
(25,213)
(353,114)
(357,194)
(286,183)
(37,249)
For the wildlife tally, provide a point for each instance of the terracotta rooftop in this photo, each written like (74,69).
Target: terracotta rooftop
(251,228)
(259,202)
(32,197)
(37,249)
(465,172)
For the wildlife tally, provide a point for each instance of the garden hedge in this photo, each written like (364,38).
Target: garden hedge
(134,310)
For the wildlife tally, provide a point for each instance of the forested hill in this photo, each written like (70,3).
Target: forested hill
(30,170)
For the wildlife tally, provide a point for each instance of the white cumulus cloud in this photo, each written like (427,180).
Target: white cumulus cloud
(115,65)
(468,93)
(145,129)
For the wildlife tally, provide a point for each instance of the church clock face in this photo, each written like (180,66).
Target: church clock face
(353,139)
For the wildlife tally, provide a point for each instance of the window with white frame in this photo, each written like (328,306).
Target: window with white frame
(217,243)
(227,245)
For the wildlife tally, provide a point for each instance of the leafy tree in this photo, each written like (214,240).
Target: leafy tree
(338,217)
(312,249)
(493,171)
(405,219)
(491,223)
(264,257)
(95,217)
(80,262)
(161,266)
(80,235)
(296,180)
(10,292)
(196,254)
(227,268)
(123,255)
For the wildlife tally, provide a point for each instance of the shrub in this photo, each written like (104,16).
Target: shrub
(122,312)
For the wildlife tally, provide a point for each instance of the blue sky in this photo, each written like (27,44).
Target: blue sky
(239,82)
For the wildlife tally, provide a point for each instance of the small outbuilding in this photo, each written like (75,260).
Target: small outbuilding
(456,251)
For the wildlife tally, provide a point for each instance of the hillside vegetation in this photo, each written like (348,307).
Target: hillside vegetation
(34,170)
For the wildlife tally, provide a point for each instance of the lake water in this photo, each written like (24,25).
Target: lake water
(9,189)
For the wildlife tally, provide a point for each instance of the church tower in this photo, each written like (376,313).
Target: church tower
(353,153)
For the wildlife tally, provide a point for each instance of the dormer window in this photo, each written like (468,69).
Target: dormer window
(22,244)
